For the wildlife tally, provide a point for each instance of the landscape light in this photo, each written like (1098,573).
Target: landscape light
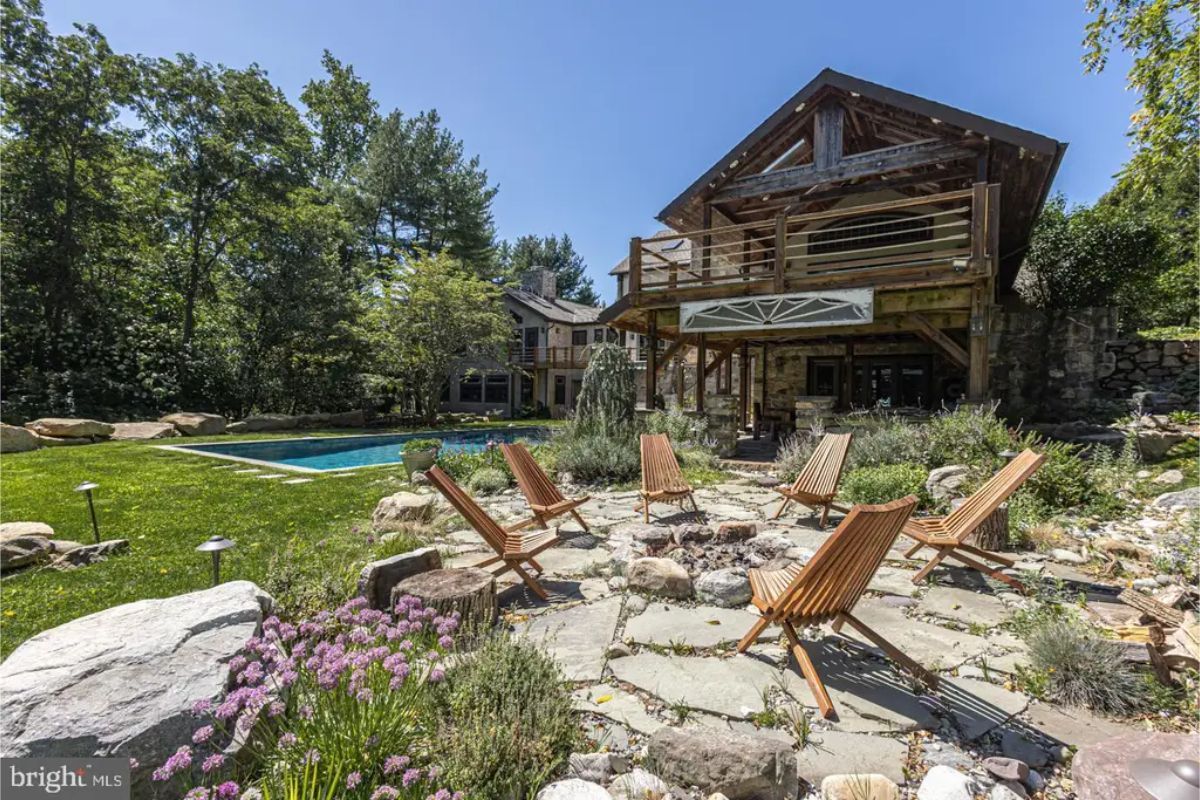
(1167,780)
(86,487)
(215,544)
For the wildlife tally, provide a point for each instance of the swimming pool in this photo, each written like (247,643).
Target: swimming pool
(324,453)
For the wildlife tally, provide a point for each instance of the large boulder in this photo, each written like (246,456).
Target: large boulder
(89,688)
(16,530)
(17,440)
(1188,498)
(265,422)
(737,765)
(396,510)
(946,482)
(143,430)
(88,554)
(64,441)
(659,576)
(22,551)
(378,578)
(348,419)
(195,423)
(1154,444)
(68,428)
(728,588)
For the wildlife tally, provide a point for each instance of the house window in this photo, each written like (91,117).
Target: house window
(597,335)
(620,285)
(576,388)
(446,392)
(495,389)
(579,337)
(560,390)
(470,389)
(876,230)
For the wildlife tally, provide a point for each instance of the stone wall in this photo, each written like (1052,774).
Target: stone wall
(1147,364)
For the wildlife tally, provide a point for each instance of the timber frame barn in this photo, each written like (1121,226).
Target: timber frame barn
(855,245)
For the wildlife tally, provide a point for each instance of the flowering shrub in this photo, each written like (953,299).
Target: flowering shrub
(338,705)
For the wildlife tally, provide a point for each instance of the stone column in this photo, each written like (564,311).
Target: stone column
(722,413)
(812,410)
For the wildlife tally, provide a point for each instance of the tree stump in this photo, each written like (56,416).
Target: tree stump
(992,533)
(469,591)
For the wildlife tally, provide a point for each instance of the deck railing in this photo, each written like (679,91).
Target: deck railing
(919,239)
(571,357)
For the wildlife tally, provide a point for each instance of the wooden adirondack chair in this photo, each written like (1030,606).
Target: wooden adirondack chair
(828,587)
(512,549)
(544,498)
(947,535)
(662,480)
(817,483)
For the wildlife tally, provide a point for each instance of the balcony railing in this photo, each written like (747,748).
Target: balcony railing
(573,357)
(921,239)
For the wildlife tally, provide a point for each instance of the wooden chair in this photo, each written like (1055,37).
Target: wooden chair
(828,587)
(544,498)
(947,535)
(512,549)
(817,483)
(662,480)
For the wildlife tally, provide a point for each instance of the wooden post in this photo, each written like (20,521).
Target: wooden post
(744,386)
(979,228)
(763,390)
(980,324)
(780,250)
(827,135)
(848,377)
(680,376)
(701,371)
(652,359)
(729,374)
(706,245)
(635,268)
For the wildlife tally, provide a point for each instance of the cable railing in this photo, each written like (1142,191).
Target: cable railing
(563,357)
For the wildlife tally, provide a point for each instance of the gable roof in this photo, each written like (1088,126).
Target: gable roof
(556,310)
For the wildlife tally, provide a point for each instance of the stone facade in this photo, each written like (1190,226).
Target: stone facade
(722,413)
(1147,364)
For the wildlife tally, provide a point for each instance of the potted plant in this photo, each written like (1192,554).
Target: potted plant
(419,454)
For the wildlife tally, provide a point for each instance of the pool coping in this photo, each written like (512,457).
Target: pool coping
(258,462)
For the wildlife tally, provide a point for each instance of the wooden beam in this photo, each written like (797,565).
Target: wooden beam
(780,252)
(635,267)
(652,360)
(701,358)
(762,405)
(847,397)
(883,184)
(827,135)
(722,354)
(950,348)
(744,386)
(706,244)
(978,377)
(859,165)
(675,346)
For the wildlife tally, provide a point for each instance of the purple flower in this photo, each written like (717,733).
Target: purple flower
(411,776)
(446,642)
(436,675)
(228,789)
(385,792)
(133,763)
(181,760)
(353,780)
(201,706)
(312,756)
(393,764)
(287,740)
(306,712)
(215,761)
(202,734)
(199,793)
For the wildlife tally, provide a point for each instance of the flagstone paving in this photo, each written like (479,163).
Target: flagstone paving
(701,627)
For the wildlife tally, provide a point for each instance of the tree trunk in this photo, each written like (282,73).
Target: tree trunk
(992,533)
(470,591)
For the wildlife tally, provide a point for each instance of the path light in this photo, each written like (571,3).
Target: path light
(86,487)
(1167,780)
(215,545)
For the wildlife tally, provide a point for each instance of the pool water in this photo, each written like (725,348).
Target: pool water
(346,452)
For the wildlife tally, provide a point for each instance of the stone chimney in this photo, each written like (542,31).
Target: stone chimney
(541,281)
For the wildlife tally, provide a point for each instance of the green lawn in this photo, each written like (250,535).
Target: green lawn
(165,503)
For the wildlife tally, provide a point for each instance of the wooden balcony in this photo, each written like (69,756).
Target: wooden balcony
(940,239)
(573,357)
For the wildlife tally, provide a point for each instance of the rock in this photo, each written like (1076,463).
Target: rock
(573,789)
(577,636)
(945,483)
(90,554)
(1006,769)
(737,765)
(89,688)
(618,650)
(944,783)
(1154,444)
(1101,771)
(393,511)
(195,423)
(735,532)
(859,787)
(265,422)
(596,767)
(418,478)
(770,545)
(17,440)
(651,535)
(22,551)
(635,604)
(59,546)
(1122,549)
(348,419)
(72,441)
(1018,747)
(728,588)
(1035,781)
(691,532)
(1007,790)
(1188,498)
(143,430)
(637,785)
(618,583)
(837,753)
(69,428)
(17,530)
(1170,477)
(701,627)
(1061,554)
(659,576)
(378,578)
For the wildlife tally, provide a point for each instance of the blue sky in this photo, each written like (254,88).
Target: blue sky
(592,116)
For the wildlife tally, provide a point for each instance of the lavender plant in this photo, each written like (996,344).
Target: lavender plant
(338,705)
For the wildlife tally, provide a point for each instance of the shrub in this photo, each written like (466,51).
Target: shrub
(608,395)
(340,704)
(1080,668)
(410,536)
(299,587)
(422,445)
(884,484)
(487,480)
(973,436)
(1062,481)
(681,428)
(793,454)
(598,455)
(895,442)
(508,723)
(462,465)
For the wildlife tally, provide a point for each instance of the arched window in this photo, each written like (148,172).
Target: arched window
(875,230)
